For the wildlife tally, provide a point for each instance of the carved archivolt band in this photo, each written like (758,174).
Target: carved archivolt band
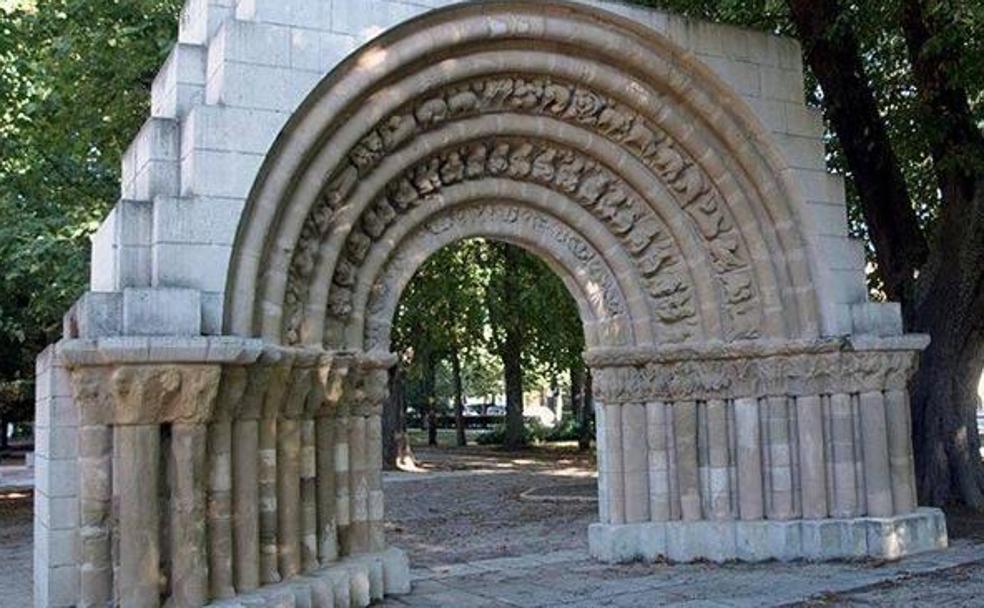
(780,375)
(672,118)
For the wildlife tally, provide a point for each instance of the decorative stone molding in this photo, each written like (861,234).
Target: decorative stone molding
(751,370)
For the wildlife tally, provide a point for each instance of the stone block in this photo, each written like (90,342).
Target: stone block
(228,129)
(783,84)
(149,164)
(826,539)
(803,152)
(758,541)
(211,221)
(881,319)
(742,76)
(695,540)
(212,306)
(56,478)
(211,173)
(829,219)
(366,20)
(161,312)
(262,87)
(95,315)
(396,571)
(318,51)
(249,42)
(201,267)
(896,537)
(102,266)
(180,83)
(301,13)
(200,19)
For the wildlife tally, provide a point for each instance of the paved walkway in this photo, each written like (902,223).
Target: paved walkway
(570,579)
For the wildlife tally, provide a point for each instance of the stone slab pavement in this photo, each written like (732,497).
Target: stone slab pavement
(16,477)
(572,580)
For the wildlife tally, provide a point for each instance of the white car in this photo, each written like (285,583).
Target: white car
(496,410)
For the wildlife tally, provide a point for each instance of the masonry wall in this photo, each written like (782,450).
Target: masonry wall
(56,508)
(242,66)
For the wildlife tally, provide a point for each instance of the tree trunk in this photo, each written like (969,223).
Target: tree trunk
(459,399)
(430,388)
(515,436)
(396,444)
(833,54)
(949,295)
(586,414)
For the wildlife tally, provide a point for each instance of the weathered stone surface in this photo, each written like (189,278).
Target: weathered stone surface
(672,174)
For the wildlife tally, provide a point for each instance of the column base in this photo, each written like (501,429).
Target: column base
(755,541)
(353,582)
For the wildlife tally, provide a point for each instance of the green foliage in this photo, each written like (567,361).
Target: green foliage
(887,67)
(535,433)
(456,301)
(75,79)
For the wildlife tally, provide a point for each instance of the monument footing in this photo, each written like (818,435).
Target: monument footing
(762,540)
(356,581)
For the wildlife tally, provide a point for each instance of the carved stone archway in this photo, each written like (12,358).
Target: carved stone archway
(732,422)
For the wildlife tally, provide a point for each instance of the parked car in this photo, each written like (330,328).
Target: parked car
(496,410)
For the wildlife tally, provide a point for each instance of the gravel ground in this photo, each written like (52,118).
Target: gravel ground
(463,510)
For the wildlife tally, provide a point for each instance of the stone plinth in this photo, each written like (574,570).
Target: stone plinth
(757,541)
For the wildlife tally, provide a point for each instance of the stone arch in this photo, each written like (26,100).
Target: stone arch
(689,154)
(732,422)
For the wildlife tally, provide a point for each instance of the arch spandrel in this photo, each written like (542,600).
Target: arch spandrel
(699,164)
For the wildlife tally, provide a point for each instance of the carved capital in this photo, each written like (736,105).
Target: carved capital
(146,394)
(757,373)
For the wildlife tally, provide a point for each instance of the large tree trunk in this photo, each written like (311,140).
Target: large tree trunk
(396,445)
(940,282)
(511,347)
(833,54)
(459,399)
(949,297)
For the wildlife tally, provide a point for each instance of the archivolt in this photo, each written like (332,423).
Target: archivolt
(669,167)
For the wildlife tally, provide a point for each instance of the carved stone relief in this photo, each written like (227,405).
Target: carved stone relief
(625,214)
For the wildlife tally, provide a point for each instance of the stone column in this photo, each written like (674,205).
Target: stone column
(288,496)
(897,416)
(844,500)
(659,461)
(719,476)
(877,475)
(136,474)
(220,506)
(343,505)
(780,503)
(96,499)
(309,500)
(688,474)
(611,480)
(635,462)
(187,472)
(245,479)
(812,471)
(751,504)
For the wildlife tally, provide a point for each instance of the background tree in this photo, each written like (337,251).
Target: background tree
(75,81)
(901,84)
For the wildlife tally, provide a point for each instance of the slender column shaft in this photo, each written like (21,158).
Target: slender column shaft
(189,557)
(327,527)
(659,462)
(246,522)
(267,486)
(136,466)
(900,451)
(610,465)
(95,501)
(688,474)
(358,485)
(813,481)
(343,506)
(288,497)
(220,509)
(750,492)
(877,475)
(719,482)
(635,462)
(780,462)
(844,503)
(309,500)
(374,443)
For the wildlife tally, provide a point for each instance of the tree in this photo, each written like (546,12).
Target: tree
(75,80)
(900,83)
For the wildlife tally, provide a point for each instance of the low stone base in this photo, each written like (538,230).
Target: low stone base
(755,541)
(354,582)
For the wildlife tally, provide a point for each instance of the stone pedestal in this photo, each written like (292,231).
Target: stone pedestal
(757,541)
